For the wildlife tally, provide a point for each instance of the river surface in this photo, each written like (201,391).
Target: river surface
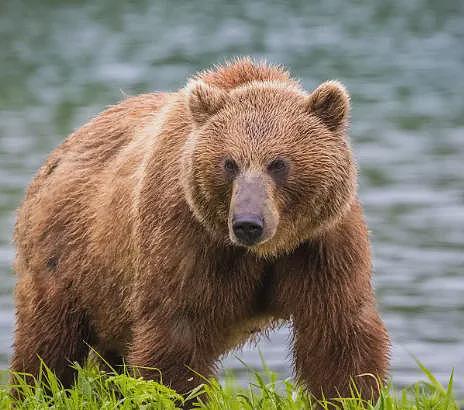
(403,62)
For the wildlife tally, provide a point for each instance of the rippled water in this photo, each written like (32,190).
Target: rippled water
(403,62)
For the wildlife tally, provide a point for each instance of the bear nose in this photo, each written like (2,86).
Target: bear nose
(248,228)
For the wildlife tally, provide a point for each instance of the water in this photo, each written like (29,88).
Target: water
(403,62)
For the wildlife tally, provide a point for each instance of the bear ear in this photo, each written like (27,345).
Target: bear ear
(331,103)
(204,100)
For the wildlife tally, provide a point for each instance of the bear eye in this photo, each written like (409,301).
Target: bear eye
(278,165)
(231,167)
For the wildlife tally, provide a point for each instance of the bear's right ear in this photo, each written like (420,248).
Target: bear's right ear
(331,103)
(204,100)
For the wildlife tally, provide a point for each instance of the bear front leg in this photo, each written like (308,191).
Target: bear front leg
(325,288)
(334,350)
(169,350)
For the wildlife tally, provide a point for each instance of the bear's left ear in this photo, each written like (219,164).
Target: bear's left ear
(204,100)
(331,103)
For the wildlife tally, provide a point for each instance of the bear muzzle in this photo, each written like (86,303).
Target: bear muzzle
(251,220)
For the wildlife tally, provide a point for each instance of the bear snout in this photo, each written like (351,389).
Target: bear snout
(251,221)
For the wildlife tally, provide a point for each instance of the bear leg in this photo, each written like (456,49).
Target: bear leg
(325,287)
(172,354)
(50,328)
(342,354)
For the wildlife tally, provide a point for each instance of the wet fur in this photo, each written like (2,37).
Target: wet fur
(117,247)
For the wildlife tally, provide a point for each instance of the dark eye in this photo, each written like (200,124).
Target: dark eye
(231,167)
(278,165)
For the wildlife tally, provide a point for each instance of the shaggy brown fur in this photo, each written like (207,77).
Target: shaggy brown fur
(172,226)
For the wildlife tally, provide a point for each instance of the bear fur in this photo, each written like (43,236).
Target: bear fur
(128,240)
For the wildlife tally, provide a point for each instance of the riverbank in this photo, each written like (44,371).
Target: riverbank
(97,390)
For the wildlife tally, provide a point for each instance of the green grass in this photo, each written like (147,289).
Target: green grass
(95,389)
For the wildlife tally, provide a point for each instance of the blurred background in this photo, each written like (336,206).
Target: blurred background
(62,62)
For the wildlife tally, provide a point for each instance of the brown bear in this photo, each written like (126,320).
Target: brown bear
(173,226)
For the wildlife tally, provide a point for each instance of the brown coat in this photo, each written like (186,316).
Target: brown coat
(172,226)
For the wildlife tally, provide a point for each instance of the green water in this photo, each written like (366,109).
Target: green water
(403,62)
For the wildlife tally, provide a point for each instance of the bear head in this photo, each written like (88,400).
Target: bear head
(267,165)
